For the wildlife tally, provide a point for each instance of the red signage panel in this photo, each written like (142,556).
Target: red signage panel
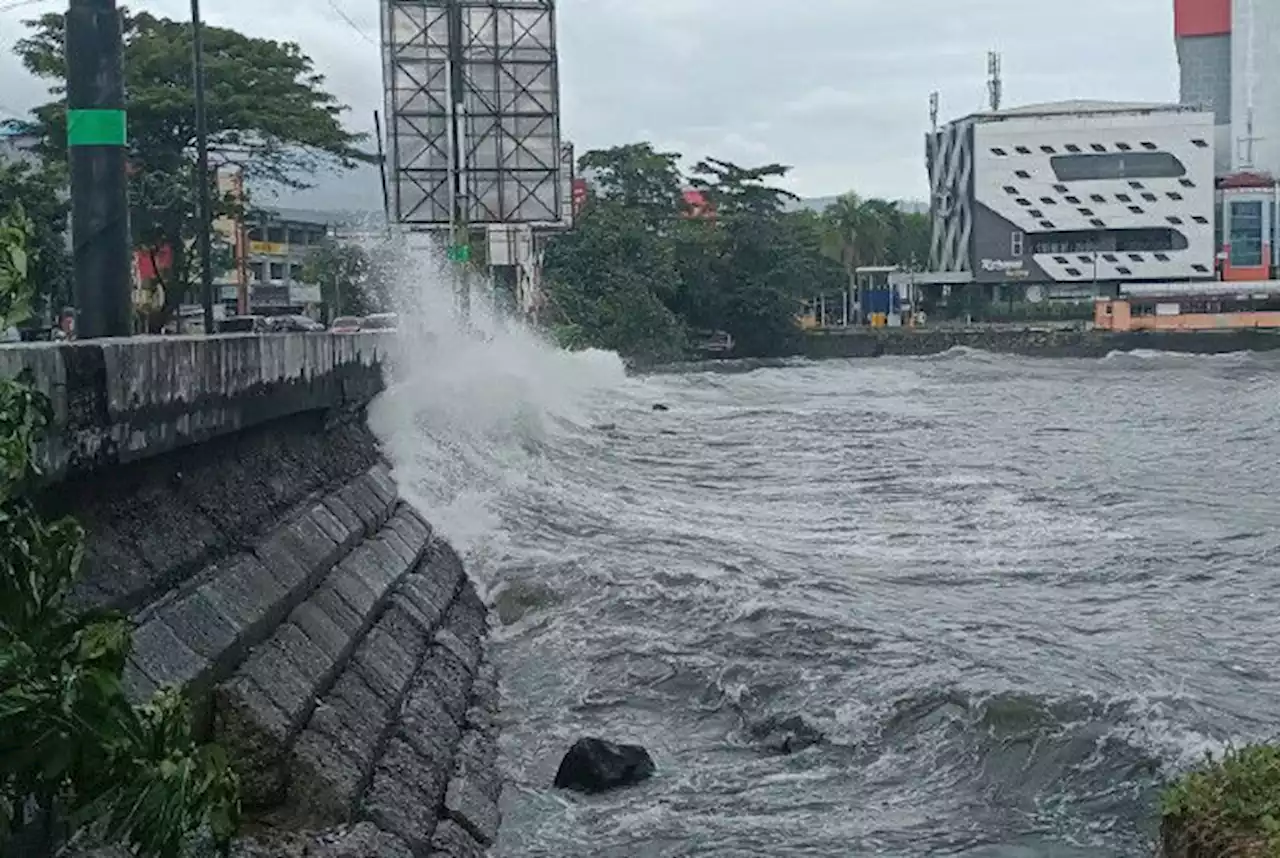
(1201,17)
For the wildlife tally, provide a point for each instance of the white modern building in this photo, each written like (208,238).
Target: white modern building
(1078,192)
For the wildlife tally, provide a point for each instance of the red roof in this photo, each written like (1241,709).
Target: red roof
(1201,17)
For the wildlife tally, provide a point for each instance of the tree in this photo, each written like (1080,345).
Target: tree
(41,192)
(346,275)
(735,191)
(638,177)
(268,112)
(608,278)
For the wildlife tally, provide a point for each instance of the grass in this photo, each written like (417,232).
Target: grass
(1227,808)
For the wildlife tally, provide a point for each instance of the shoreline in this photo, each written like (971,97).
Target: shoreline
(1032,341)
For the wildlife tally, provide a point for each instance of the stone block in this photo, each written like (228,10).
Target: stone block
(162,656)
(398,547)
(364,505)
(360,717)
(255,732)
(365,841)
(467,653)
(444,672)
(277,555)
(324,781)
(453,841)
(374,499)
(416,522)
(404,629)
(200,625)
(385,665)
(311,545)
(383,484)
(406,526)
(344,514)
(271,669)
(433,590)
(379,570)
(468,618)
(477,760)
(323,631)
(362,597)
(425,724)
(405,795)
(467,803)
(417,605)
(485,693)
(249,596)
(314,667)
(329,601)
(334,528)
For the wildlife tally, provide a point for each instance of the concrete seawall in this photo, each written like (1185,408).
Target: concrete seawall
(1031,342)
(237,507)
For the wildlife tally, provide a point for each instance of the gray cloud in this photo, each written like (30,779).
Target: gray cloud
(836,88)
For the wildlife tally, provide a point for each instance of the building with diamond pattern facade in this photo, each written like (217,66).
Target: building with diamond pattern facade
(1080,192)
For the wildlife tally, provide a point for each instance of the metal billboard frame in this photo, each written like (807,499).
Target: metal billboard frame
(473,112)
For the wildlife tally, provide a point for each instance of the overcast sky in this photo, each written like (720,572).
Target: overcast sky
(838,89)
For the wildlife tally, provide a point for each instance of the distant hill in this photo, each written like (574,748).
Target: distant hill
(359,191)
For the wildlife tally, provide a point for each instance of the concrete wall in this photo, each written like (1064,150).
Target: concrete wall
(236,505)
(1033,342)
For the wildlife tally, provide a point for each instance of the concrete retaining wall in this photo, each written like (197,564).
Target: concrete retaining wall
(237,506)
(1032,342)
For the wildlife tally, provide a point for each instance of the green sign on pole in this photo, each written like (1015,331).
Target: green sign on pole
(460,253)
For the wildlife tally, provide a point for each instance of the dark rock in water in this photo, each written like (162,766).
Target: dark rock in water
(786,734)
(661,407)
(594,766)
(520,598)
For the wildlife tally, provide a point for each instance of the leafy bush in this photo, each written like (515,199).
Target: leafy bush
(72,747)
(1227,807)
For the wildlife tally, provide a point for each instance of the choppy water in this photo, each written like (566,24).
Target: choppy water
(1014,593)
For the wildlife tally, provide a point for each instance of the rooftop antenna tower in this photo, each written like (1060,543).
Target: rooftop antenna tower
(995,84)
(933,111)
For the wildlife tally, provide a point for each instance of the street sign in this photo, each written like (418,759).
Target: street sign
(460,253)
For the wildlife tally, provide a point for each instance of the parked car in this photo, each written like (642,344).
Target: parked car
(380,322)
(245,325)
(294,325)
(345,325)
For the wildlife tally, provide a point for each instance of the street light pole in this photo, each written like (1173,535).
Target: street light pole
(97,141)
(205,219)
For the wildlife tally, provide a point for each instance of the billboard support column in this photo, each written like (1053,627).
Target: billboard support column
(460,231)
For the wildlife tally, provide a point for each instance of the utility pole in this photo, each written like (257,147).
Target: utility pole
(205,220)
(460,226)
(97,141)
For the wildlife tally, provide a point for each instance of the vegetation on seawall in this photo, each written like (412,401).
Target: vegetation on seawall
(1227,808)
(77,758)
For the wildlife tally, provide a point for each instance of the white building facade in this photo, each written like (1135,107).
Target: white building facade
(1075,192)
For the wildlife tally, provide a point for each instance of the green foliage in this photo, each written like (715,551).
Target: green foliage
(1227,807)
(268,112)
(71,744)
(41,193)
(351,282)
(641,270)
(15,266)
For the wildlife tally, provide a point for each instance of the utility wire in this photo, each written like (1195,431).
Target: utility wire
(333,4)
(19,4)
